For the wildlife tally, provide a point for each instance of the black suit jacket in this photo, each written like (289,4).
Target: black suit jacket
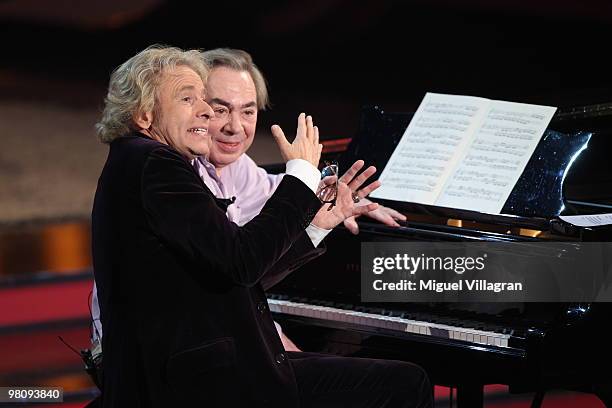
(183,310)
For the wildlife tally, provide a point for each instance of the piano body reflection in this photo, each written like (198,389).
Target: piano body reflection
(532,347)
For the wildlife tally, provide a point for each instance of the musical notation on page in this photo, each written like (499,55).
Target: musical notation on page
(590,220)
(463,152)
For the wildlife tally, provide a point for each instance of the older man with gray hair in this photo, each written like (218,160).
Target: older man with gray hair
(237,90)
(181,288)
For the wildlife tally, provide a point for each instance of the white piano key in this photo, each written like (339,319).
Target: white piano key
(388,322)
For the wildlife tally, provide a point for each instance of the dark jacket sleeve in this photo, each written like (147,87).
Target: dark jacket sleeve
(184,215)
(301,252)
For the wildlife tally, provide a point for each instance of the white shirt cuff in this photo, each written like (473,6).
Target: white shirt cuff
(316,234)
(304,171)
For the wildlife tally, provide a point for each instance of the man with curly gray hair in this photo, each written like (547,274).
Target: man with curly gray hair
(181,288)
(133,85)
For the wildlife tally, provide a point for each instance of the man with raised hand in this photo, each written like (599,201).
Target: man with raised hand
(184,313)
(236,90)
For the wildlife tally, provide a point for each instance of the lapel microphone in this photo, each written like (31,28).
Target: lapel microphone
(223,203)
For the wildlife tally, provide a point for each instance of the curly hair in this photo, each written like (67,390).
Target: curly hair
(133,85)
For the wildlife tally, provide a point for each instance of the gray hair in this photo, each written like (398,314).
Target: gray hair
(240,60)
(133,86)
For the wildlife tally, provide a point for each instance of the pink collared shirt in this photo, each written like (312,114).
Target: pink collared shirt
(243,179)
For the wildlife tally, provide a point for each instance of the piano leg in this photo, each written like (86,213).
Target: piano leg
(538,398)
(603,391)
(469,395)
(606,399)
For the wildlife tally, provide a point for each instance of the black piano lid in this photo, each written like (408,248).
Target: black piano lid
(565,175)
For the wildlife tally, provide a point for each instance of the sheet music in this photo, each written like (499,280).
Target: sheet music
(463,152)
(591,220)
(493,162)
(429,148)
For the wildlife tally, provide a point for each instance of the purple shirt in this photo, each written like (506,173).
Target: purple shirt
(243,179)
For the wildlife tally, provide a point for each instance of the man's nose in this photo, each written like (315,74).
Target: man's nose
(234,124)
(204,110)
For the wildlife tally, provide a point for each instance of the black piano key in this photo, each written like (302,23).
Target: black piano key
(454,318)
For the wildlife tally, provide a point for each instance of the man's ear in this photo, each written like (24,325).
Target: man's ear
(143,119)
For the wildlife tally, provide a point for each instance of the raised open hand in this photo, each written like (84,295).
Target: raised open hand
(305,145)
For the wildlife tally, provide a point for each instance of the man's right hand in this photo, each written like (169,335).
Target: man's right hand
(305,145)
(328,218)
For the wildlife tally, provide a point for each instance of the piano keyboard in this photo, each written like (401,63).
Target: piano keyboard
(392,323)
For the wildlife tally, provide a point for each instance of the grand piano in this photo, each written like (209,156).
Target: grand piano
(531,347)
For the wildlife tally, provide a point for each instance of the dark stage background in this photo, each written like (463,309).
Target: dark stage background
(329,57)
(324,57)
